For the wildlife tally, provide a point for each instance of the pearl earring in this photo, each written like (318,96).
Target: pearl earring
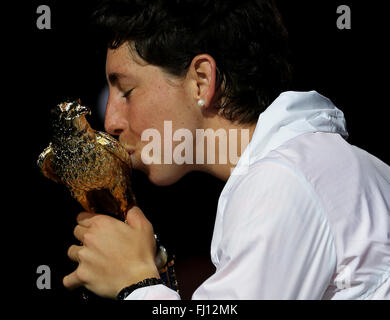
(201,102)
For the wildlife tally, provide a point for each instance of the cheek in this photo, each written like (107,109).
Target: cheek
(150,110)
(140,120)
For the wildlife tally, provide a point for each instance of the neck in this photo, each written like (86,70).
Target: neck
(230,142)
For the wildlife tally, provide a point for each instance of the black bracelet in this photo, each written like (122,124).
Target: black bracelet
(144,283)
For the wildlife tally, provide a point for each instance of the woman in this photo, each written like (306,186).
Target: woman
(290,222)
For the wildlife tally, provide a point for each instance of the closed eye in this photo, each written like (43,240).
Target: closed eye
(127,93)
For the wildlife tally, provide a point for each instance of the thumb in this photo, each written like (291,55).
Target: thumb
(135,217)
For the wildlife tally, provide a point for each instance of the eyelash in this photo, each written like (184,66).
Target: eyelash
(127,93)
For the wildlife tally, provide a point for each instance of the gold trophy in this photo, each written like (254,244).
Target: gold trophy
(96,169)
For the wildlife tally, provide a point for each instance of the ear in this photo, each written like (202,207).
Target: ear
(202,73)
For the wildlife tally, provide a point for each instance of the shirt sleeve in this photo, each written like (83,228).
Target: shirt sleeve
(276,241)
(156,292)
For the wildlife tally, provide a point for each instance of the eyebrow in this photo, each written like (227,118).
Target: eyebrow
(114,77)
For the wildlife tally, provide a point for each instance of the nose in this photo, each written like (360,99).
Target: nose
(115,120)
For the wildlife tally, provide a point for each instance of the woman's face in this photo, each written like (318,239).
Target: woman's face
(142,97)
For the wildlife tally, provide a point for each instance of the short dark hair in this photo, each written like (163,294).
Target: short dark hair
(246,38)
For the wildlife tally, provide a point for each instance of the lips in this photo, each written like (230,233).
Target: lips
(129,149)
(130,152)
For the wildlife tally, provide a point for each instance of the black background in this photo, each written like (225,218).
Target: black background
(348,66)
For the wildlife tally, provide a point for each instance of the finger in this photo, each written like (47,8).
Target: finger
(72,281)
(79,232)
(135,217)
(84,218)
(73,253)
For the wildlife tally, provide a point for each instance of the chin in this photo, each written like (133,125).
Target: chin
(165,175)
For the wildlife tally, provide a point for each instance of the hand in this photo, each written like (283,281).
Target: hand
(114,254)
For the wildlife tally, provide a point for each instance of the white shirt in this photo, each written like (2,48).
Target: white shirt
(304,215)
